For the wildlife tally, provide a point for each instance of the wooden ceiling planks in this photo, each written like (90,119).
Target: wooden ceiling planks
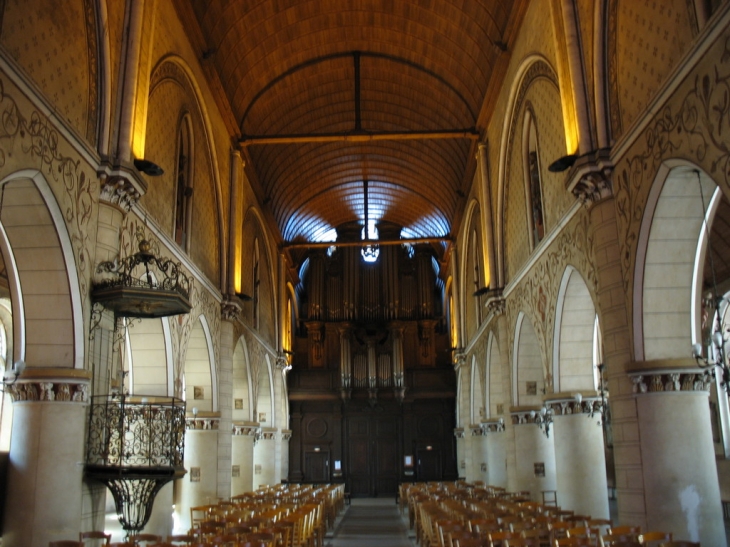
(312,67)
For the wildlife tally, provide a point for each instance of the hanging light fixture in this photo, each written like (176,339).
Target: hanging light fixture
(370,252)
(710,353)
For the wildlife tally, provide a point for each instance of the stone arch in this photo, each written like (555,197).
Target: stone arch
(148,357)
(575,338)
(666,309)
(162,127)
(478,414)
(254,228)
(47,314)
(526,365)
(532,67)
(242,388)
(472,269)
(265,400)
(201,386)
(495,382)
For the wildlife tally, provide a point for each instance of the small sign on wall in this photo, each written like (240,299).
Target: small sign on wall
(539,469)
(198,392)
(262,417)
(236,471)
(532,388)
(195,474)
(238,404)
(257,469)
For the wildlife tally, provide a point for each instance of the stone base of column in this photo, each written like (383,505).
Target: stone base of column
(264,458)
(244,435)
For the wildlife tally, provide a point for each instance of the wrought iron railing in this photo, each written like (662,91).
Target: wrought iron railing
(135,446)
(130,431)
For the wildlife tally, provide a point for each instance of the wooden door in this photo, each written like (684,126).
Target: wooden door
(373,458)
(317,466)
(428,465)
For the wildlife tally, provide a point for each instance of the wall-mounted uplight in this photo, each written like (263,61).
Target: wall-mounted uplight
(148,168)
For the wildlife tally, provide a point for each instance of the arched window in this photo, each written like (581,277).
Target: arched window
(256,284)
(183,186)
(533,182)
(477,274)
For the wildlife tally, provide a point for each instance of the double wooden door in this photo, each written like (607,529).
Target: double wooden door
(373,454)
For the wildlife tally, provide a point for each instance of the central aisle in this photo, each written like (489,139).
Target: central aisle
(371,521)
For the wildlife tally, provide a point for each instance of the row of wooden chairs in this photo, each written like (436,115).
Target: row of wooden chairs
(452,515)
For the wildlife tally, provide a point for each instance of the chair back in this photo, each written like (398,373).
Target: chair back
(95,534)
(66,543)
(185,539)
(652,539)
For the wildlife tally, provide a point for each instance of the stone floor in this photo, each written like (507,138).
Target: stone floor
(371,521)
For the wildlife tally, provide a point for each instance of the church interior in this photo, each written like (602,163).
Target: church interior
(363,243)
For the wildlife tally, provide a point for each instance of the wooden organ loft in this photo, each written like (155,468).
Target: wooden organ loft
(372,387)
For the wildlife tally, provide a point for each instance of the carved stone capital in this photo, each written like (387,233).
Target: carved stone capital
(50,385)
(592,179)
(119,191)
(205,421)
(496,306)
(566,407)
(524,415)
(476,430)
(459,433)
(267,434)
(653,382)
(247,429)
(230,310)
(286,434)
(459,359)
(492,426)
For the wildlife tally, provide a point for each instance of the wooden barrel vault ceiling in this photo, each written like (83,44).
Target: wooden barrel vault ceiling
(328,94)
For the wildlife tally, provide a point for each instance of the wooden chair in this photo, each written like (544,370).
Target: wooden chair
(523,542)
(603,525)
(574,542)
(66,543)
(95,534)
(145,538)
(679,543)
(471,542)
(499,538)
(627,532)
(558,530)
(542,534)
(654,538)
(185,539)
(122,544)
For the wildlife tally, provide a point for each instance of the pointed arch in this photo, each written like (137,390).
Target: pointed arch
(574,338)
(528,379)
(242,382)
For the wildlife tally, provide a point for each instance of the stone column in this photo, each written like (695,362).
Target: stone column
(495,452)
(200,485)
(478,468)
(463,451)
(285,438)
(264,458)
(244,436)
(45,466)
(580,457)
(679,471)
(534,453)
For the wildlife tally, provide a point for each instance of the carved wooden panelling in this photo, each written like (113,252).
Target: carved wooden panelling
(317,428)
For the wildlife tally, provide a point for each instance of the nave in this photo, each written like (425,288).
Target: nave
(370,521)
